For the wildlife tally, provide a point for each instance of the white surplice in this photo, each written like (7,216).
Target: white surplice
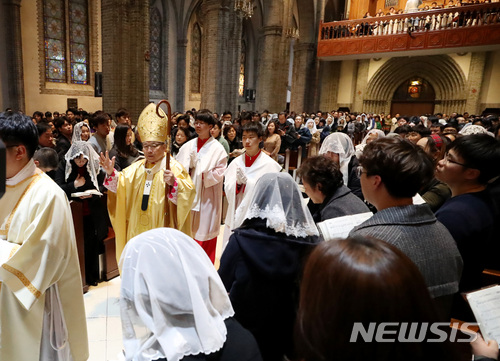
(262,165)
(38,251)
(206,168)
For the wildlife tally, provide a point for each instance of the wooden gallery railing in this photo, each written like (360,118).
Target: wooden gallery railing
(468,25)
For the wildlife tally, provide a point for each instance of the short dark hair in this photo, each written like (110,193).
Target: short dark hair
(121,112)
(404,167)
(37,113)
(59,122)
(184,117)
(254,127)
(48,115)
(321,171)
(420,129)
(402,129)
(481,152)
(205,116)
(16,128)
(42,127)
(47,158)
(246,116)
(99,117)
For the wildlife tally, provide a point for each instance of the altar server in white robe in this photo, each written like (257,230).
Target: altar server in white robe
(42,315)
(206,160)
(242,174)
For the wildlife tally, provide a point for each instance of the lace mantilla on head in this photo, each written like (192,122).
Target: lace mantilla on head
(83,148)
(276,219)
(277,199)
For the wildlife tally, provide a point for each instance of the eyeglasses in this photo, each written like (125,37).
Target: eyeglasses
(360,170)
(199,123)
(153,146)
(448,160)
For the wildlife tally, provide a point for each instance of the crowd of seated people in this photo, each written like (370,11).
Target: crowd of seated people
(431,181)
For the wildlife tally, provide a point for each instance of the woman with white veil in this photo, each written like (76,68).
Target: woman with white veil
(173,304)
(372,135)
(79,173)
(262,262)
(81,132)
(315,140)
(338,146)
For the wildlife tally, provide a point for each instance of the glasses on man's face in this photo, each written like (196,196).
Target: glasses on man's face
(153,146)
(199,123)
(360,170)
(448,160)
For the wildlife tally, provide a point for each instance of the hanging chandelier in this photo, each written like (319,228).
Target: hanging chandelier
(243,8)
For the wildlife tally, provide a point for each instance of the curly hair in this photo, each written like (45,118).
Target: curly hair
(321,171)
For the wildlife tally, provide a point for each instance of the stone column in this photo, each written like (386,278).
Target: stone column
(273,62)
(180,88)
(303,82)
(361,83)
(221,48)
(474,83)
(329,86)
(125,48)
(14,56)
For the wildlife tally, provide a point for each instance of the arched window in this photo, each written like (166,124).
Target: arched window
(155,37)
(241,80)
(66,32)
(195,59)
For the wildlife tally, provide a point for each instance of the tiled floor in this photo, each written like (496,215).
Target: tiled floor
(103,317)
(103,321)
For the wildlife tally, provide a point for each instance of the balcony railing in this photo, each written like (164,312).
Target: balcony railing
(474,25)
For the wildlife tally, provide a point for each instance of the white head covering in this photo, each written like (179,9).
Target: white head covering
(314,129)
(341,144)
(172,301)
(277,199)
(85,148)
(77,132)
(469,129)
(361,147)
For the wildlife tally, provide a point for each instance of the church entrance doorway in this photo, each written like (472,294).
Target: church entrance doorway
(414,96)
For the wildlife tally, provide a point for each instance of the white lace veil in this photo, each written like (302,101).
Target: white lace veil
(314,129)
(77,132)
(172,301)
(85,148)
(341,144)
(360,147)
(277,199)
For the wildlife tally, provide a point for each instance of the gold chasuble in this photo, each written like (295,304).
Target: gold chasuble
(124,206)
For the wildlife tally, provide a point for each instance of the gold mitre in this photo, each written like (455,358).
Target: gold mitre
(151,127)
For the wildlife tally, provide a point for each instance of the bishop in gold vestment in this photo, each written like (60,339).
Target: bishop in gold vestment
(136,199)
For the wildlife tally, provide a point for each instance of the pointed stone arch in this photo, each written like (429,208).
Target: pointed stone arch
(441,71)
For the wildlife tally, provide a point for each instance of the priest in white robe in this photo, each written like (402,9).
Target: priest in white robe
(242,174)
(206,160)
(42,315)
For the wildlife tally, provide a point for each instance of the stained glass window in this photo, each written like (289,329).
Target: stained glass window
(78,40)
(241,81)
(195,59)
(155,63)
(62,38)
(55,47)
